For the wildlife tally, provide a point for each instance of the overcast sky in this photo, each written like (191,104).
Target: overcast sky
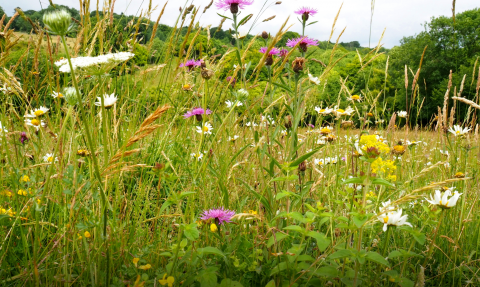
(399,17)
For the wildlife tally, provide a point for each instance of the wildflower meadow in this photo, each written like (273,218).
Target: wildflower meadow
(133,153)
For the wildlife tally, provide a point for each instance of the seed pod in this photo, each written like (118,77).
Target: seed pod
(298,64)
(269,60)
(265,35)
(207,74)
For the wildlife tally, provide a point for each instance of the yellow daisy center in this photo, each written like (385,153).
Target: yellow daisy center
(205,129)
(322,110)
(50,159)
(38,113)
(458,132)
(340,111)
(385,219)
(60,95)
(325,130)
(35,122)
(186,87)
(356,97)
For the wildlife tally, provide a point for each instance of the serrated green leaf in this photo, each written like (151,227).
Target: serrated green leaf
(278,236)
(210,250)
(342,253)
(375,257)
(322,241)
(295,228)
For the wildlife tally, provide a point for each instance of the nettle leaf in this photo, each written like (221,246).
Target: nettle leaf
(375,257)
(278,237)
(297,216)
(295,228)
(280,267)
(230,283)
(403,253)
(353,180)
(327,271)
(210,250)
(322,241)
(360,219)
(342,253)
(191,232)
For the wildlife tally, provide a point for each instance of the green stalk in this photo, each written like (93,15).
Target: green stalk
(103,197)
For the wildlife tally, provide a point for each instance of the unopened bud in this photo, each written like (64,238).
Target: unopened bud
(58,22)
(302,166)
(265,35)
(298,64)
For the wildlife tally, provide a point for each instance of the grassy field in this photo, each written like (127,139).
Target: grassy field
(182,179)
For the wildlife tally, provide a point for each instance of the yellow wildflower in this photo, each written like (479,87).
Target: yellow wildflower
(25,178)
(145,267)
(372,146)
(169,281)
(385,168)
(135,261)
(87,234)
(22,192)
(213,227)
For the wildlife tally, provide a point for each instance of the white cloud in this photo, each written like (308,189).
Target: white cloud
(400,18)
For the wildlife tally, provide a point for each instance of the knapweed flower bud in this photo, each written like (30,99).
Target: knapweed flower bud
(269,60)
(302,166)
(207,74)
(23,137)
(265,35)
(298,64)
(234,8)
(288,122)
(58,22)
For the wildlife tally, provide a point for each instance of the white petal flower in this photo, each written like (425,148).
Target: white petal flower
(402,114)
(57,95)
(444,200)
(206,129)
(322,111)
(393,218)
(458,130)
(2,130)
(37,112)
(49,158)
(197,156)
(35,123)
(108,101)
(313,79)
(84,62)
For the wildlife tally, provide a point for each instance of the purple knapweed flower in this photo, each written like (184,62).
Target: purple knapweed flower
(220,215)
(312,126)
(303,43)
(306,12)
(232,81)
(273,51)
(283,52)
(197,112)
(233,5)
(191,64)
(23,137)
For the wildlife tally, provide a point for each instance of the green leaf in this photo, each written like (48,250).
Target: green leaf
(260,197)
(283,87)
(280,267)
(375,257)
(278,236)
(295,228)
(322,241)
(223,16)
(304,157)
(207,279)
(191,232)
(381,181)
(285,178)
(327,271)
(354,180)
(230,283)
(342,253)
(312,23)
(210,250)
(402,253)
(271,283)
(186,193)
(360,219)
(243,20)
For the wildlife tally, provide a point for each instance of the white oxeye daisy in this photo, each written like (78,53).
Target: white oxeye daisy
(355,98)
(37,112)
(402,114)
(458,130)
(444,201)
(341,112)
(57,95)
(392,218)
(49,158)
(233,139)
(313,79)
(284,132)
(197,156)
(233,104)
(322,111)
(317,161)
(205,129)
(240,35)
(108,101)
(35,123)
(2,129)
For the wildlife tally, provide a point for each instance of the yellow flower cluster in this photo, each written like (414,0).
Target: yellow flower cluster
(8,212)
(370,144)
(385,168)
